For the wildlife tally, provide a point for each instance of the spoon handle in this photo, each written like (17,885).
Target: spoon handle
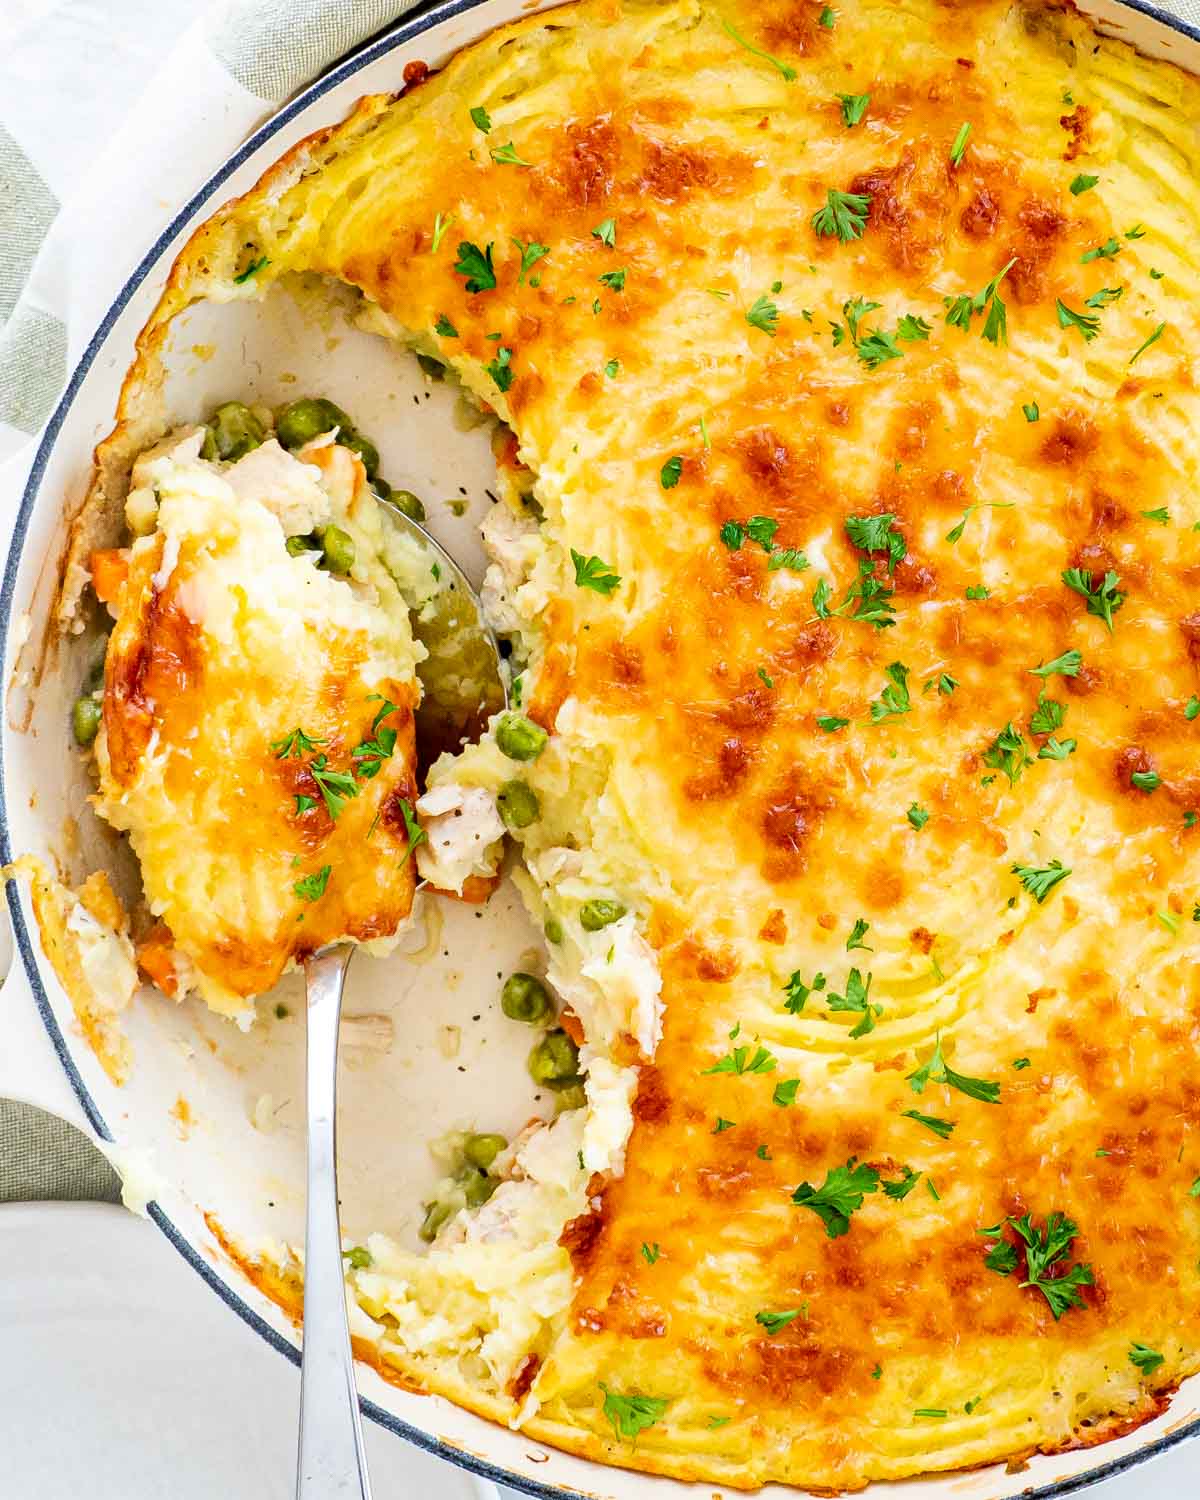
(332,1464)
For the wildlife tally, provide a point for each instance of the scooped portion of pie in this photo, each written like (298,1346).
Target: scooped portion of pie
(255,725)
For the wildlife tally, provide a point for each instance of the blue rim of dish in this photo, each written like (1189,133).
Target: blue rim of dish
(405,31)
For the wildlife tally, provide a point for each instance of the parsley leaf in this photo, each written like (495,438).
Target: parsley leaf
(416,834)
(935,1069)
(632,1414)
(827,18)
(739,1060)
(877,347)
(1146,1359)
(1153,339)
(774,1321)
(614,280)
(506,156)
(445,328)
(252,269)
(911,328)
(931,1122)
(531,253)
(500,368)
(1103,598)
(1107,251)
(1066,665)
(1087,323)
(730,30)
(1056,750)
(844,215)
(830,723)
(312,887)
(1104,296)
(1039,881)
(1045,1249)
(440,226)
(787,557)
(294,745)
(857,933)
(1008,753)
(1032,411)
(877,534)
(1083,183)
(797,991)
(900,1189)
(760,529)
(481,119)
(1047,716)
(856,999)
(960,310)
(722,1125)
(372,752)
(337,787)
(763,314)
(476,265)
(669,474)
(854,107)
(917,816)
(1160,514)
(1002,1258)
(785,1092)
(1146,781)
(894,700)
(592,573)
(606,232)
(960,143)
(840,1195)
(650,1253)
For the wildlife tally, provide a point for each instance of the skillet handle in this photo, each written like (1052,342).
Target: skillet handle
(332,1464)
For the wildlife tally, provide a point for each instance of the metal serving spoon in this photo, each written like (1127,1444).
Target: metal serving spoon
(462,686)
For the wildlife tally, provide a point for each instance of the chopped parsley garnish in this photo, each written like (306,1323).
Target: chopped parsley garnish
(1048,715)
(787,557)
(722,1125)
(632,1414)
(830,723)
(531,253)
(854,107)
(650,1253)
(481,119)
(1104,296)
(877,534)
(1066,665)
(740,1060)
(606,232)
(767,679)
(840,1195)
(372,752)
(1021,1062)
(844,215)
(252,269)
(1160,514)
(774,1321)
(785,1092)
(828,18)
(1087,323)
(894,700)
(959,147)
(1054,749)
(1008,753)
(1103,598)
(500,368)
(1040,880)
(763,314)
(1153,339)
(900,1189)
(1107,251)
(917,816)
(476,265)
(593,573)
(312,887)
(931,1122)
(935,1069)
(1146,781)
(1146,1359)
(716,1421)
(440,226)
(1032,411)
(506,156)
(413,830)
(730,30)
(856,999)
(613,280)
(857,933)
(931,1411)
(669,474)
(305,804)
(960,310)
(337,787)
(911,328)
(294,745)
(760,529)
(1046,1250)
(445,328)
(955,533)
(876,347)
(612,368)
(978,591)
(1083,183)
(1192,708)
(797,991)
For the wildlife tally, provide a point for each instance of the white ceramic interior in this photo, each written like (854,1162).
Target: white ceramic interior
(453,1059)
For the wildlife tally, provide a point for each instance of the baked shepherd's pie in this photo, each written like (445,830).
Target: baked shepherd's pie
(843,365)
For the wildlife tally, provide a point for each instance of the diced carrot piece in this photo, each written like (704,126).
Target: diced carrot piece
(156,960)
(110,569)
(571,1024)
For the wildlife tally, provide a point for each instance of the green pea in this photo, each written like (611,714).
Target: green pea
(478,1187)
(482,1150)
(518,804)
(85,719)
(364,447)
(598,913)
(436,1214)
(572,1097)
(520,738)
(553,929)
(526,998)
(308,418)
(338,547)
(434,368)
(235,430)
(554,1062)
(382,488)
(408,504)
(297,546)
